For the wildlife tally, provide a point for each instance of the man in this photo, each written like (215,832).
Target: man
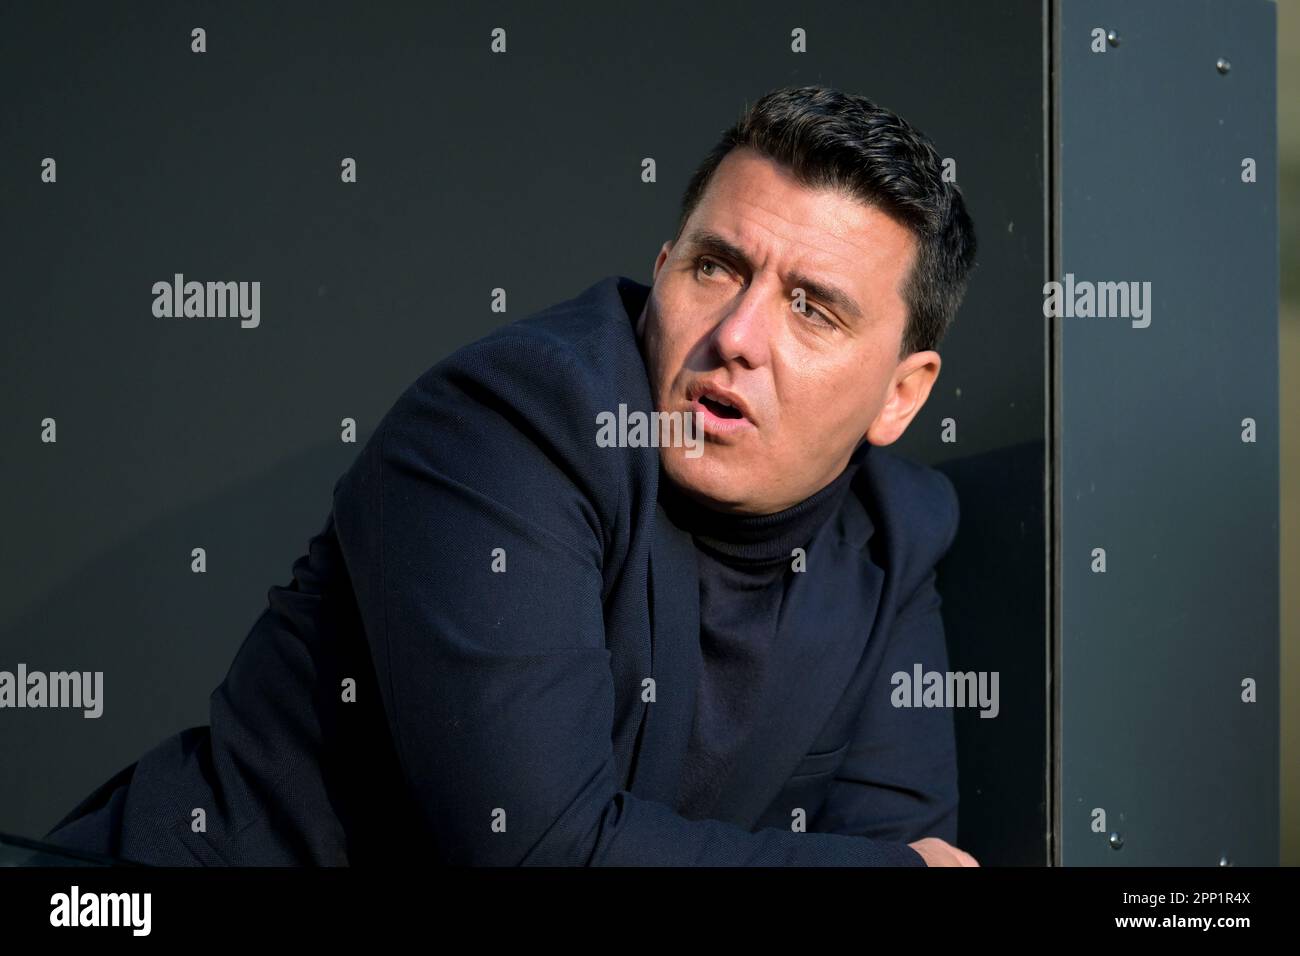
(517,641)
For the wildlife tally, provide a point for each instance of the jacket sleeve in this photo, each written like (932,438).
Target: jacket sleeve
(898,780)
(474,526)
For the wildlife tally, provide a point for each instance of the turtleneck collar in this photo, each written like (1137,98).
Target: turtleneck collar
(756,540)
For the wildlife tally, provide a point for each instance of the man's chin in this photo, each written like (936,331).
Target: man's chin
(718,485)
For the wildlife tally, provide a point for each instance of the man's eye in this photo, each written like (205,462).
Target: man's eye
(702,261)
(815,316)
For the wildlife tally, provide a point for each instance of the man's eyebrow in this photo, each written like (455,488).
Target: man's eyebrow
(703,241)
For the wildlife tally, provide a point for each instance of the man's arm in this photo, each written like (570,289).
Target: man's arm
(497,686)
(899,777)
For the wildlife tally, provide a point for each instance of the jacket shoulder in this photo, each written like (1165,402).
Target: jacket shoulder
(513,415)
(914,508)
(578,353)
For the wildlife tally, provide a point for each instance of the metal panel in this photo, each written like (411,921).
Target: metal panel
(1153,468)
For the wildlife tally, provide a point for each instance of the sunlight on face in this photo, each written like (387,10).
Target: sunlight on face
(786,396)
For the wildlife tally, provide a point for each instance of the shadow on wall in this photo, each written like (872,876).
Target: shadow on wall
(992,582)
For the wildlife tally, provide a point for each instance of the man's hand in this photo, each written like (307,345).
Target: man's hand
(937,852)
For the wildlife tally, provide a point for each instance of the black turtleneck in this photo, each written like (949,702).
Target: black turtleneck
(745,564)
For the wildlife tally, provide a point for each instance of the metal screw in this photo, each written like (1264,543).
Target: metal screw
(1222,65)
(1112,38)
(1116,841)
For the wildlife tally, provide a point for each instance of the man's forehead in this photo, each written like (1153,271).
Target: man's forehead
(826,222)
(747,180)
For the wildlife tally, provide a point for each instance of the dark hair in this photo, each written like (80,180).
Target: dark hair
(835,140)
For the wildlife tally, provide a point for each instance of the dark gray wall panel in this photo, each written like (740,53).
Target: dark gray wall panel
(1153,467)
(475,171)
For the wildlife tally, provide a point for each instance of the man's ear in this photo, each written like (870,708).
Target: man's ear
(664,251)
(908,390)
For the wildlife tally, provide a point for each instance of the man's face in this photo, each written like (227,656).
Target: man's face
(812,384)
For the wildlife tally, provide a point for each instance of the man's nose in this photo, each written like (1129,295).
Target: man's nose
(744,334)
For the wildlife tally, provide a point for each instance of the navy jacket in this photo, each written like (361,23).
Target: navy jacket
(401,700)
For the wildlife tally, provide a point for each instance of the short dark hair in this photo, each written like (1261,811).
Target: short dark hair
(835,140)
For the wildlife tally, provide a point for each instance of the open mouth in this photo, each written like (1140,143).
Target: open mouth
(719,408)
